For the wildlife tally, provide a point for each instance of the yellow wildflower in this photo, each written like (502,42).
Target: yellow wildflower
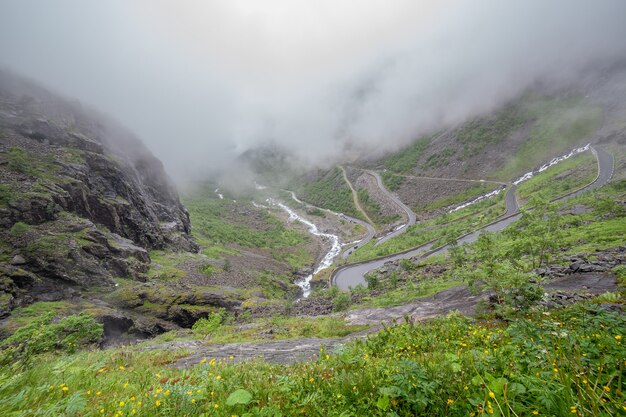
(216,406)
(311,379)
(122,403)
(535,412)
(122,367)
(157,403)
(492,395)
(65,388)
(450,401)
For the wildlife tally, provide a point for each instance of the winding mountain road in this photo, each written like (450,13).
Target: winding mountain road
(411,217)
(354,274)
(457,298)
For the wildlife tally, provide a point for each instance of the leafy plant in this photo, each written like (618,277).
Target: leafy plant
(44,335)
(20,161)
(19,229)
(207,326)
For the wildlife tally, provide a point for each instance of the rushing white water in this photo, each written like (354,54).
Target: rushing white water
(526,176)
(477,199)
(553,161)
(221,196)
(327,261)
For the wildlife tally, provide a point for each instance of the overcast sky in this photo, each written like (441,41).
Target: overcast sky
(202,80)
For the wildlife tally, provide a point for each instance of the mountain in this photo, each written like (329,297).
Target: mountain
(82,200)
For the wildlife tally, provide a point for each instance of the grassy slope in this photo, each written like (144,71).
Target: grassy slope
(219,229)
(560,124)
(555,125)
(567,363)
(561,178)
(560,363)
(442,229)
(572,173)
(329,191)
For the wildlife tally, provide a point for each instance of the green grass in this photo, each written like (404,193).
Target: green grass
(372,208)
(457,199)
(329,191)
(406,159)
(559,362)
(32,165)
(438,159)
(7,194)
(442,229)
(22,316)
(569,362)
(559,179)
(282,328)
(560,124)
(485,131)
(220,230)
(392,181)
(407,293)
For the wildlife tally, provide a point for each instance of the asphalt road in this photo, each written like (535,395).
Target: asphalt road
(351,275)
(407,210)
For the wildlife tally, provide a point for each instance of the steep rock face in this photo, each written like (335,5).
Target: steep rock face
(81,199)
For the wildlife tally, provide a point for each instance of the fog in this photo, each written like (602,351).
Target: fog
(202,81)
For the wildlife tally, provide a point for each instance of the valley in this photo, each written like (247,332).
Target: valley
(480,266)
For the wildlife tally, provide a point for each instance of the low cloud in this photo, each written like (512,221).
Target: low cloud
(203,81)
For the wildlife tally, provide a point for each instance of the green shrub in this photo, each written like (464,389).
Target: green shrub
(341,301)
(207,269)
(44,335)
(6,194)
(372,280)
(19,229)
(620,272)
(207,326)
(20,161)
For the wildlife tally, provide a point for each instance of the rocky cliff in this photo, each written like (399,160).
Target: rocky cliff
(82,201)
